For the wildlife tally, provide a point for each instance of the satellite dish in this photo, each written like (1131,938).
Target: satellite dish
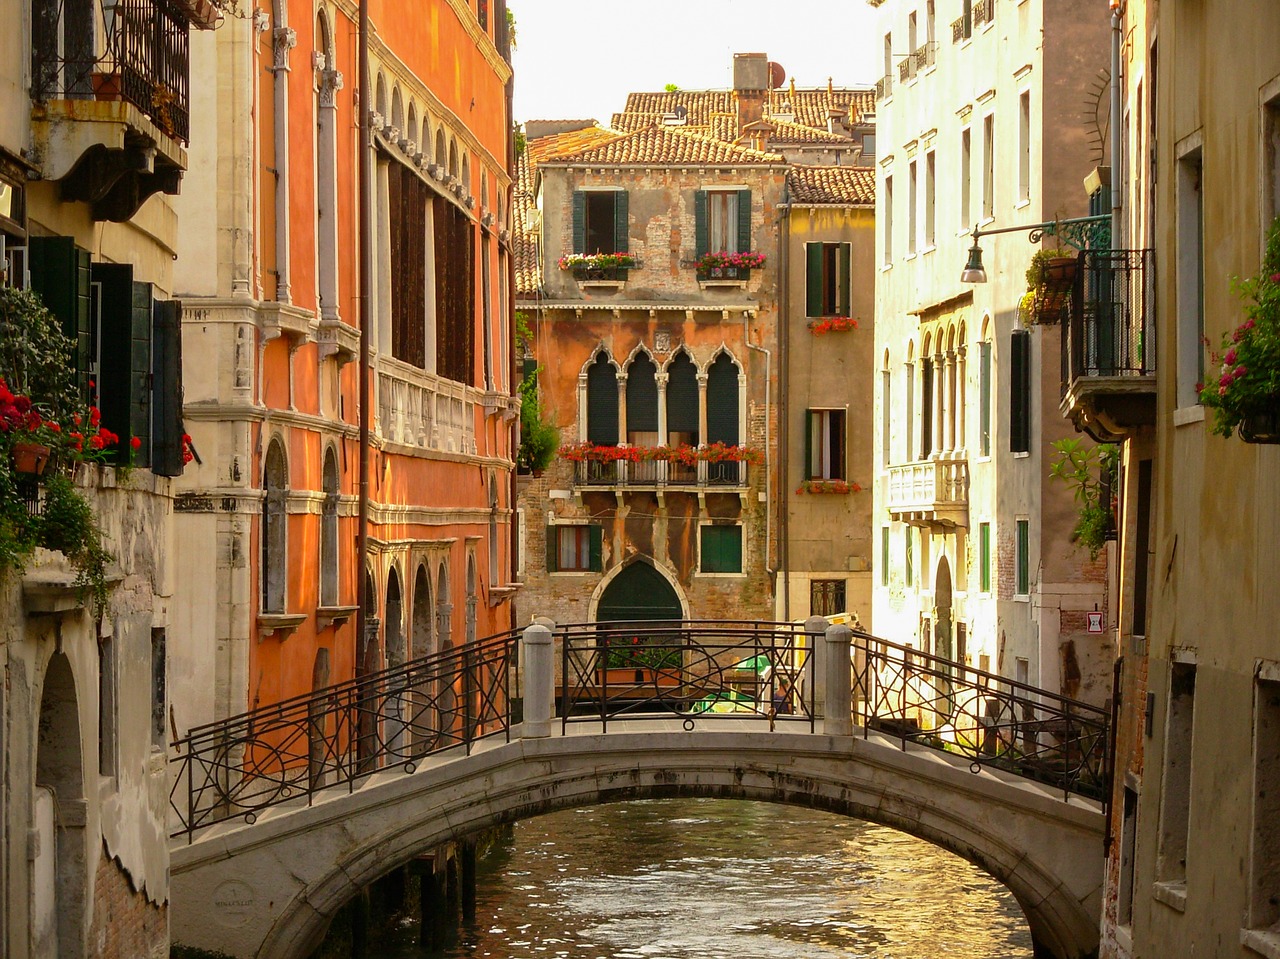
(777,75)
(681,111)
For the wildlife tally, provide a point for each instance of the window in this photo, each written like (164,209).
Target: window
(1128,847)
(966,176)
(1270,156)
(886,416)
(1024,147)
(912,201)
(927,372)
(825,444)
(966,20)
(930,197)
(888,220)
(158,683)
(574,549)
(988,167)
(722,221)
(600,221)
(723,412)
(888,57)
(329,532)
(326,172)
(1264,878)
(909,553)
(106,706)
(1020,391)
(454,256)
(720,549)
(682,401)
(826,597)
(1175,803)
(984,557)
(827,279)
(273,534)
(642,402)
(1022,556)
(910,400)
(408,197)
(1190,277)
(984,394)
(602,402)
(884,555)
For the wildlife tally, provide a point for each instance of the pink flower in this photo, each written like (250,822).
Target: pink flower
(1230,358)
(1240,371)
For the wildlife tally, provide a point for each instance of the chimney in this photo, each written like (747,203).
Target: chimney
(750,83)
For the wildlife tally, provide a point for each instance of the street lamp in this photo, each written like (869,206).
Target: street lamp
(1079,232)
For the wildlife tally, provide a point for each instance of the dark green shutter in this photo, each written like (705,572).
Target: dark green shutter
(682,396)
(721,549)
(709,557)
(60,274)
(621,222)
(813,279)
(602,403)
(731,551)
(529,367)
(166,379)
(808,444)
(579,221)
(140,373)
(744,221)
(843,279)
(553,552)
(701,241)
(595,536)
(722,401)
(838,431)
(642,396)
(1020,391)
(115,344)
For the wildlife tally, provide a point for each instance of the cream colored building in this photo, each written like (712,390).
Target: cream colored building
(979,123)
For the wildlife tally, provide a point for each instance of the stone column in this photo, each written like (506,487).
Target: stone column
(949,439)
(960,397)
(937,402)
(815,628)
(539,681)
(283,40)
(839,681)
(330,81)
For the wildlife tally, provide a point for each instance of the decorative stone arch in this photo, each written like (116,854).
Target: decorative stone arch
(943,615)
(422,633)
(473,596)
(681,350)
(593,606)
(444,608)
(441,155)
(330,576)
(274,533)
(642,411)
(466,172)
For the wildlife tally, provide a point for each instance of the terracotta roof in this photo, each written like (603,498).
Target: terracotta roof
(668,145)
(832,184)
(698,104)
(813,107)
(785,132)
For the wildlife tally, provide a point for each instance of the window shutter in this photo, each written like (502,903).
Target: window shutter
(722,402)
(166,379)
(926,407)
(140,373)
(1020,391)
(682,396)
(60,274)
(642,396)
(596,546)
(744,221)
(115,345)
(529,367)
(844,279)
(813,287)
(808,444)
(731,550)
(579,221)
(621,222)
(553,551)
(602,404)
(837,444)
(700,224)
(709,558)
(984,389)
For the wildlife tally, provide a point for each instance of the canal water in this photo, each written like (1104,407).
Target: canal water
(721,879)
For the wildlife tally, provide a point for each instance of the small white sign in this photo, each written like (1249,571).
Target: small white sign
(1095,622)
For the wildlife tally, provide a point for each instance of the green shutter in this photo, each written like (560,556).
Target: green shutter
(166,389)
(709,551)
(721,549)
(642,396)
(744,221)
(984,390)
(838,433)
(553,553)
(843,279)
(808,444)
(602,403)
(722,401)
(529,367)
(731,551)
(621,222)
(140,373)
(60,274)
(884,556)
(813,279)
(595,536)
(1020,391)
(115,346)
(579,221)
(701,241)
(984,549)
(1024,557)
(682,397)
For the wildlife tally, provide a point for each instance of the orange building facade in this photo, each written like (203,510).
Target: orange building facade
(269,273)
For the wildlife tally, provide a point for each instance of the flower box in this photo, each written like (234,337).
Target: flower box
(832,324)
(604,273)
(838,487)
(602,267)
(713,273)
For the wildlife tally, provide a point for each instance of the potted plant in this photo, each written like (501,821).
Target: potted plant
(1245,392)
(1091,472)
(639,661)
(1050,278)
(722,265)
(598,266)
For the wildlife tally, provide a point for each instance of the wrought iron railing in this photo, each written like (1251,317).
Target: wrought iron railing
(656,670)
(906,69)
(650,474)
(962,28)
(925,55)
(1111,325)
(291,750)
(984,11)
(985,718)
(884,86)
(133,50)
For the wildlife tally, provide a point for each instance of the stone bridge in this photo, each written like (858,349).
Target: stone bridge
(269,888)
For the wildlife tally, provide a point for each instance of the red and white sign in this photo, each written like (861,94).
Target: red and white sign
(1095,622)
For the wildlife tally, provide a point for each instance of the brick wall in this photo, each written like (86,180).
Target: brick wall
(126,925)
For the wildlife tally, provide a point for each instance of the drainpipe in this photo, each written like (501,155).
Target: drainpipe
(784,378)
(366,298)
(768,480)
(1117,134)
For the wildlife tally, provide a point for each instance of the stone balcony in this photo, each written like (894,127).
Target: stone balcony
(933,492)
(425,412)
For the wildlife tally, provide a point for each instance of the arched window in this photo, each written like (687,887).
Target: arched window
(329,532)
(602,402)
(682,401)
(927,412)
(886,413)
(329,82)
(423,614)
(440,156)
(642,402)
(275,560)
(394,628)
(411,131)
(494,574)
(472,599)
(985,379)
(397,111)
(453,158)
(722,401)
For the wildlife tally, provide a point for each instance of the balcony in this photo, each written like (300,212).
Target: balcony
(110,85)
(884,87)
(934,492)
(984,11)
(661,474)
(961,29)
(925,56)
(1108,345)
(907,69)
(424,411)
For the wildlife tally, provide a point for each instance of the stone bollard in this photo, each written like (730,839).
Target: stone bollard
(539,680)
(815,627)
(839,681)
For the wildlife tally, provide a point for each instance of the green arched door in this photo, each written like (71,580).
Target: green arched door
(639,592)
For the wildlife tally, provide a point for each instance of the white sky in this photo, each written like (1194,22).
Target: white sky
(580,58)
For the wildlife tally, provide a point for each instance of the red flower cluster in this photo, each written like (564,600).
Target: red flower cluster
(685,455)
(832,324)
(188,454)
(740,261)
(24,423)
(827,486)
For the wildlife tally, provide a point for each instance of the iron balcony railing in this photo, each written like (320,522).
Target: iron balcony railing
(1111,325)
(650,474)
(984,11)
(907,69)
(884,86)
(962,28)
(132,50)
(925,55)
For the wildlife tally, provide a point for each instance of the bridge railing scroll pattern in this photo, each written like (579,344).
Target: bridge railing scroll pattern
(336,736)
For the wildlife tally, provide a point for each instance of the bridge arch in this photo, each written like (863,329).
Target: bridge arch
(313,860)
